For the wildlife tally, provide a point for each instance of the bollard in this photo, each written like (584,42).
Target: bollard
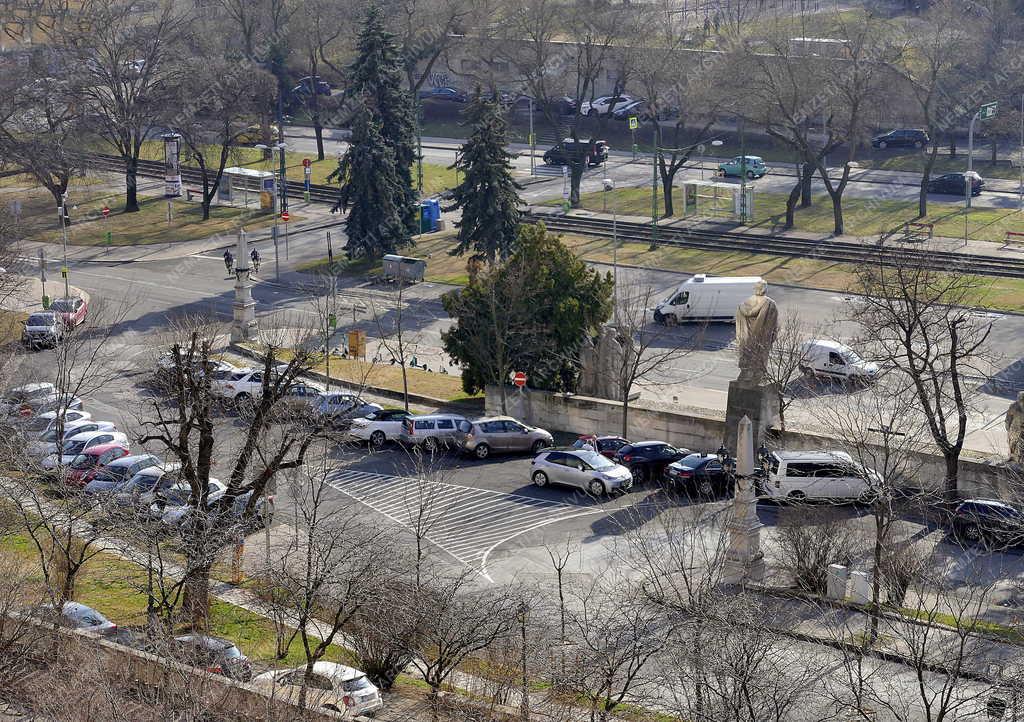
(860,593)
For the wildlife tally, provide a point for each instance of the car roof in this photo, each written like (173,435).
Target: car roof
(642,444)
(87,435)
(988,502)
(206,641)
(826,343)
(129,460)
(424,417)
(103,448)
(484,419)
(336,671)
(812,456)
(29,388)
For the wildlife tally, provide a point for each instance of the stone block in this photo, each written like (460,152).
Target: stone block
(860,587)
(838,576)
(758,403)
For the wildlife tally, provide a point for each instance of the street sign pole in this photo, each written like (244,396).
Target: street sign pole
(533,143)
(634,123)
(63,210)
(42,276)
(277,253)
(986,111)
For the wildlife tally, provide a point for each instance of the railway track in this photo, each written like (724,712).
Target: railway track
(828,250)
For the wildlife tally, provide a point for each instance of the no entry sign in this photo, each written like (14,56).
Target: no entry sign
(285,216)
(519,379)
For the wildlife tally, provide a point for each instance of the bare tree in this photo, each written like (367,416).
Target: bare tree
(394,334)
(785,363)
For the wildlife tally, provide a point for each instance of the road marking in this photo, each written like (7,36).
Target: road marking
(465,522)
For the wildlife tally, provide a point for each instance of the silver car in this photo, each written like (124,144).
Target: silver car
(434,430)
(503,434)
(583,469)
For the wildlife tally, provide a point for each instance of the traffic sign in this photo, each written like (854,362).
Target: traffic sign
(306,162)
(285,216)
(988,110)
(634,122)
(519,379)
(105,212)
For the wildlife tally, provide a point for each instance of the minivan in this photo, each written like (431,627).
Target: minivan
(435,430)
(800,475)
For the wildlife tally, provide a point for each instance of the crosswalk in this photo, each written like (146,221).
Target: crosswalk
(465,522)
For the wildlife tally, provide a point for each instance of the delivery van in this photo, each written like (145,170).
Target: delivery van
(831,359)
(804,475)
(706,298)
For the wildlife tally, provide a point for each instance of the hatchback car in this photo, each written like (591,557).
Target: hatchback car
(42,330)
(379,427)
(118,471)
(504,434)
(586,470)
(332,685)
(901,138)
(86,465)
(605,104)
(340,407)
(700,474)
(72,310)
(754,167)
(954,184)
(80,442)
(214,654)
(48,443)
(593,153)
(79,616)
(648,459)
(994,524)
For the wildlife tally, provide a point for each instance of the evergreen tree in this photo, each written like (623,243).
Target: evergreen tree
(487,195)
(375,225)
(376,76)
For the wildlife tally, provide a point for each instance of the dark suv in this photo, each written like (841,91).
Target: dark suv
(648,459)
(953,184)
(995,524)
(901,138)
(594,151)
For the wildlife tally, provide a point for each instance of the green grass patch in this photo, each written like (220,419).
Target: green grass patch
(980,626)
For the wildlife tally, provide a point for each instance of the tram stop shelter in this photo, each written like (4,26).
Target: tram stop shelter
(245,185)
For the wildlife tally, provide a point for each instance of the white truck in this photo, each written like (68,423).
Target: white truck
(831,359)
(706,298)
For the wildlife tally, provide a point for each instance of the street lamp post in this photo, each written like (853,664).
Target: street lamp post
(970,166)
(62,210)
(609,185)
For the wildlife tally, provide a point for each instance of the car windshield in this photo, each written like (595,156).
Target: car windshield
(596,461)
(50,436)
(355,685)
(689,463)
(140,483)
(83,461)
(62,306)
(851,357)
(40,319)
(70,448)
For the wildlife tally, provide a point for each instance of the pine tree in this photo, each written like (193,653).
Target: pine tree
(375,224)
(376,76)
(488,194)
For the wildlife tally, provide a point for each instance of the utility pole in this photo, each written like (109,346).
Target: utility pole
(419,146)
(743,173)
(533,141)
(62,210)
(654,197)
(281,145)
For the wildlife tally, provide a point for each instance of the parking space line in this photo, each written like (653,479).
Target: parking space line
(466,523)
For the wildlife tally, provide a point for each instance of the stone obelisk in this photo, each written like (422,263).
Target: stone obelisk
(744,561)
(243,325)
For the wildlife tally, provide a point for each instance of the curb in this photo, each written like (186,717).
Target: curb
(377,390)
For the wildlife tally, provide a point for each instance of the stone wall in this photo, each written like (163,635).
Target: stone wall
(704,430)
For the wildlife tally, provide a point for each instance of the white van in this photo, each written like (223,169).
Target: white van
(706,298)
(800,475)
(831,359)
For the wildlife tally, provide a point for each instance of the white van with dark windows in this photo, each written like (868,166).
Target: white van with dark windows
(433,431)
(801,475)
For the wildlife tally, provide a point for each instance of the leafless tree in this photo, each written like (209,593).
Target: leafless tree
(809,541)
(785,363)
(395,335)
(426,30)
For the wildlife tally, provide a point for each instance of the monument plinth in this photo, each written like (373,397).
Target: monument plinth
(243,323)
(757,324)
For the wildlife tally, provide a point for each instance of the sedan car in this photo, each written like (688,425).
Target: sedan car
(701,474)
(81,442)
(379,427)
(42,330)
(86,465)
(332,685)
(214,654)
(754,167)
(339,407)
(298,401)
(47,421)
(79,616)
(648,459)
(954,184)
(901,138)
(452,95)
(604,105)
(504,434)
(585,470)
(47,443)
(987,522)
(72,310)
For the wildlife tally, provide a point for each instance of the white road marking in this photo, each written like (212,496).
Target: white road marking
(465,522)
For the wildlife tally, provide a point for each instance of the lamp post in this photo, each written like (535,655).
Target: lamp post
(62,211)
(609,185)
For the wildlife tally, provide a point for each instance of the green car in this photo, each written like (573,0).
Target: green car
(755,167)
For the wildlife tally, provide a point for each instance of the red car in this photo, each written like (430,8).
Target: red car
(71,310)
(606,446)
(86,465)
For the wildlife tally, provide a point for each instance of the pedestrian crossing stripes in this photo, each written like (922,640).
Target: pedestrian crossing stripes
(550,170)
(465,522)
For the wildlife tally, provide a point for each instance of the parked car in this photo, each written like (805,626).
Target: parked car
(340,407)
(332,685)
(79,616)
(71,310)
(214,654)
(86,465)
(130,493)
(165,365)
(298,401)
(706,298)
(81,442)
(172,495)
(594,153)
(118,471)
(700,474)
(648,459)
(801,475)
(47,421)
(607,446)
(901,138)
(585,470)
(831,359)
(21,396)
(244,386)
(263,511)
(754,167)
(642,110)
(434,430)
(994,524)
(43,329)
(504,434)
(254,134)
(604,105)
(452,95)
(307,84)
(379,427)
(47,442)
(53,402)
(954,184)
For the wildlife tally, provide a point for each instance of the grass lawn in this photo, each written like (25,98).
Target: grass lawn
(117,588)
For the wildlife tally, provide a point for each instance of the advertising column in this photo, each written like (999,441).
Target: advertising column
(172,165)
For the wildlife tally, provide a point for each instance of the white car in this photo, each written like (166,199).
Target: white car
(604,104)
(379,427)
(220,379)
(169,504)
(165,364)
(20,395)
(78,443)
(48,421)
(334,686)
(47,442)
(246,385)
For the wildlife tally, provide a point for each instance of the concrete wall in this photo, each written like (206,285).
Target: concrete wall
(704,430)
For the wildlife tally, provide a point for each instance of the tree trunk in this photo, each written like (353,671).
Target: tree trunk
(131,197)
(950,484)
(576,169)
(625,416)
(805,185)
(794,196)
(318,129)
(195,601)
(666,192)
(922,196)
(837,213)
(405,385)
(952,146)
(995,151)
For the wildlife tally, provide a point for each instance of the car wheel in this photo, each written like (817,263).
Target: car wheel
(670,319)
(796,496)
(430,444)
(883,145)
(971,533)
(482,451)
(918,144)
(639,474)
(378,439)
(592,113)
(705,488)
(538,446)
(540,478)
(751,175)
(596,488)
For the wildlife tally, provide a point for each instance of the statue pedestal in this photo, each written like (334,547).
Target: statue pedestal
(744,561)
(759,403)
(243,325)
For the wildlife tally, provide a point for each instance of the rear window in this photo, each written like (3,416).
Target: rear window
(355,685)
(40,319)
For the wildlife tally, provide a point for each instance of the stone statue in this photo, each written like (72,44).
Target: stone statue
(601,363)
(757,323)
(1015,429)
(587,384)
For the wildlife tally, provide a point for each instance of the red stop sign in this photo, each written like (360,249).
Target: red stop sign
(519,379)
(105,211)
(306,162)
(285,216)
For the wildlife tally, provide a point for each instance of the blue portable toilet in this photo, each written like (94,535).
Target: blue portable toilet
(430,214)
